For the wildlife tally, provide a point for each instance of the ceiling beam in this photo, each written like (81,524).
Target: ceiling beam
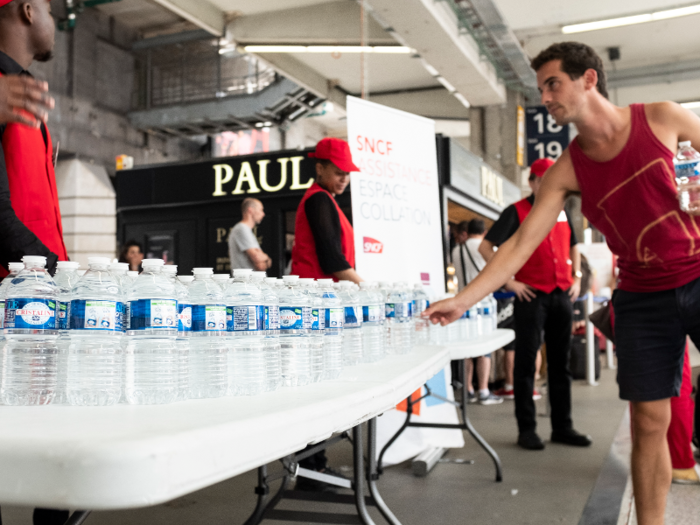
(199,12)
(655,74)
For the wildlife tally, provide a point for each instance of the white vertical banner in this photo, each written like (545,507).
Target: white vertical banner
(395,196)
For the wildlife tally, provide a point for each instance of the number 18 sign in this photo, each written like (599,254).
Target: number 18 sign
(545,138)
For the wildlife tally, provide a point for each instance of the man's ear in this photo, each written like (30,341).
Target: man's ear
(27,13)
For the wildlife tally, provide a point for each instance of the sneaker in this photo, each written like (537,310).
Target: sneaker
(536,395)
(471,397)
(530,441)
(490,399)
(688,476)
(571,437)
(505,394)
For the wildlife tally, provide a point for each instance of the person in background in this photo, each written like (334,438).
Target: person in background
(243,248)
(24,100)
(324,243)
(545,287)
(132,254)
(468,262)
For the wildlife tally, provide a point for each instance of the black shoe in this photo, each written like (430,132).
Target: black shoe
(571,437)
(313,485)
(530,441)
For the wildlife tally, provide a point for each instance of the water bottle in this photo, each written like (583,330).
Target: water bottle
(486,319)
(14,269)
(29,368)
(185,279)
(352,325)
(384,289)
(318,324)
(222,279)
(494,312)
(372,326)
(422,324)
(120,273)
(245,315)
(208,344)
(454,330)
(399,316)
(295,331)
(151,352)
(334,317)
(132,274)
(687,164)
(96,323)
(273,370)
(184,327)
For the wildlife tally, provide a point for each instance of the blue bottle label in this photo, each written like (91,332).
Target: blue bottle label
(266,325)
(353,317)
(184,317)
(318,318)
(465,315)
(63,315)
(107,316)
(208,317)
(293,318)
(390,310)
(273,317)
(2,313)
(371,313)
(30,314)
(152,313)
(334,317)
(247,318)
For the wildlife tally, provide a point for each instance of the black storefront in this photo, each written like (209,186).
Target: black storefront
(184,212)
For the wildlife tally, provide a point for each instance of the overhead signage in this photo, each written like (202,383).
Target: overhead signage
(545,138)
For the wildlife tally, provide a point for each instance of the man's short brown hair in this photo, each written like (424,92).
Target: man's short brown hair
(575,58)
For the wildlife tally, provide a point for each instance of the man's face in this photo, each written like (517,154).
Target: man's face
(561,96)
(332,178)
(43,30)
(258,212)
(461,236)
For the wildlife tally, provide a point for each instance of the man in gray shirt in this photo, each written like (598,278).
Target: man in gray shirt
(243,248)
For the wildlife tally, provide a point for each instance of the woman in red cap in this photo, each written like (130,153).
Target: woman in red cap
(324,243)
(545,287)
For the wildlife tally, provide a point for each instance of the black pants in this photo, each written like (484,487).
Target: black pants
(552,313)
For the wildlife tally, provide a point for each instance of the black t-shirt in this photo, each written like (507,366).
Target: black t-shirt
(509,222)
(324,222)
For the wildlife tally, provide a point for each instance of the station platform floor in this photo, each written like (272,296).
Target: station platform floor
(560,485)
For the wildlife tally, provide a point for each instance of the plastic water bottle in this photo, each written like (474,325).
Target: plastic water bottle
(245,315)
(222,279)
(95,356)
(486,316)
(185,279)
(352,325)
(151,353)
(399,316)
(184,327)
(494,312)
(420,305)
(273,370)
(372,326)
(687,164)
(334,317)
(208,345)
(30,360)
(132,274)
(295,332)
(14,269)
(318,324)
(120,273)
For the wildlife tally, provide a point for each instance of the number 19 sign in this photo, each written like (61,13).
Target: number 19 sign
(545,138)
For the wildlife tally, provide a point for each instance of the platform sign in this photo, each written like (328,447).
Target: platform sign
(395,196)
(545,138)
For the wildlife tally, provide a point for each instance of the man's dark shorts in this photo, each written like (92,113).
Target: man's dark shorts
(650,336)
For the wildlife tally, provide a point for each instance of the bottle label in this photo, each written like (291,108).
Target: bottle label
(371,313)
(485,310)
(208,317)
(399,310)
(30,314)
(688,169)
(2,313)
(245,318)
(318,319)
(334,317)
(152,313)
(266,325)
(295,317)
(184,317)
(63,309)
(107,316)
(274,317)
(353,316)
(465,315)
(420,305)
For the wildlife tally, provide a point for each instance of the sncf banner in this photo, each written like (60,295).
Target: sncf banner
(395,197)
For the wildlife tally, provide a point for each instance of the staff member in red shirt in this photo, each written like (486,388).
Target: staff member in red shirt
(30,218)
(324,243)
(545,287)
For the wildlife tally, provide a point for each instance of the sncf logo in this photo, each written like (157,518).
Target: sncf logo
(372,245)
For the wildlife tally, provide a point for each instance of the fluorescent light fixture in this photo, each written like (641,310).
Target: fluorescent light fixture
(430,69)
(449,87)
(330,49)
(630,20)
(463,100)
(691,105)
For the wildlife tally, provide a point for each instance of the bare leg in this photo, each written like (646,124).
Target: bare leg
(651,460)
(538,364)
(483,370)
(469,366)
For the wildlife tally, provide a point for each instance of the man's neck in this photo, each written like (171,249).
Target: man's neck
(601,122)
(248,221)
(14,47)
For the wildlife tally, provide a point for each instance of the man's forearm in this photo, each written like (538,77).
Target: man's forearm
(348,275)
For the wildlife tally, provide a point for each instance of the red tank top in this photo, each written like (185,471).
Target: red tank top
(304,259)
(632,199)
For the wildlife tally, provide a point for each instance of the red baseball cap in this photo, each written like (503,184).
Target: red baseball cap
(4,2)
(335,150)
(540,166)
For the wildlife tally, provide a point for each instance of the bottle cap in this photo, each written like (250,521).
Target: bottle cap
(684,144)
(271,280)
(105,261)
(261,274)
(186,279)
(325,282)
(243,272)
(307,280)
(34,260)
(220,277)
(132,273)
(17,267)
(290,278)
(119,266)
(258,276)
(152,262)
(63,265)
(169,269)
(365,284)
(203,271)
(346,284)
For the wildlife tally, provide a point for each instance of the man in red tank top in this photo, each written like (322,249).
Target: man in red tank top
(621,163)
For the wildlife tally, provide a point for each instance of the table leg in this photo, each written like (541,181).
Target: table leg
(372,475)
(78,517)
(359,476)
(263,503)
(409,411)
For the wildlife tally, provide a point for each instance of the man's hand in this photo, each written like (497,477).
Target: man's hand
(523,291)
(445,312)
(575,290)
(24,100)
